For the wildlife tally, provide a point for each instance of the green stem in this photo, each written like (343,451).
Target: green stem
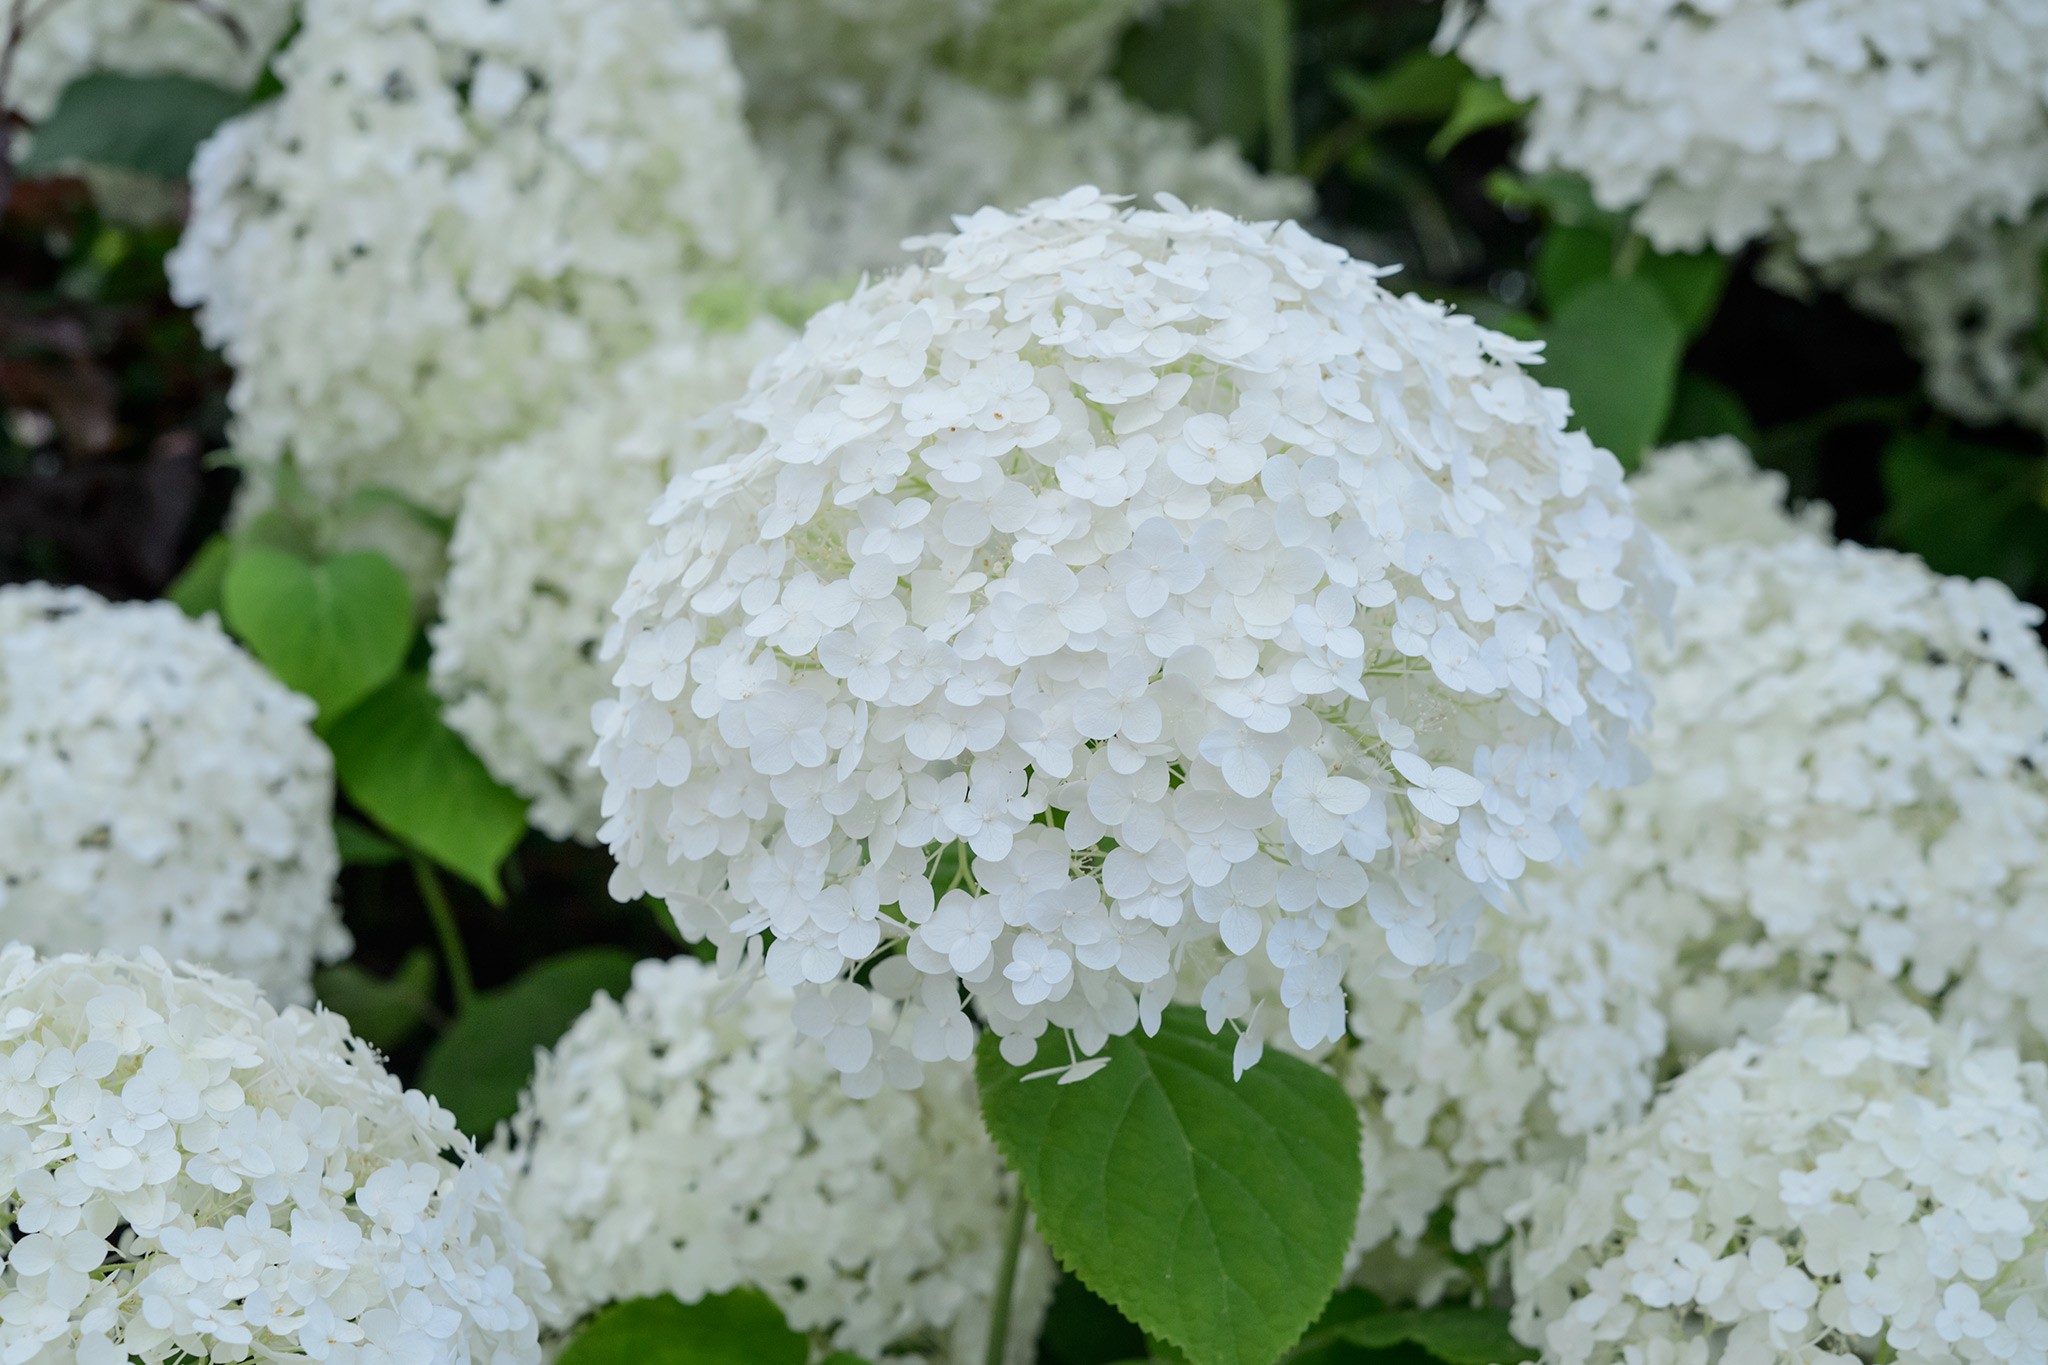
(1006,1279)
(1276,34)
(452,952)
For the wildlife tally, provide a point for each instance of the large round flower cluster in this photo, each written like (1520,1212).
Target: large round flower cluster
(158,788)
(686,1141)
(1973,312)
(1700,494)
(1847,124)
(483,203)
(1146,577)
(191,1175)
(966,147)
(1465,1102)
(1849,790)
(541,546)
(222,41)
(1836,1195)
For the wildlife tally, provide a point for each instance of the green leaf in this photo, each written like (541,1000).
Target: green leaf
(1705,407)
(1081,1329)
(197,590)
(336,630)
(361,846)
(1571,258)
(1455,1336)
(1204,59)
(1482,104)
(1615,348)
(478,1067)
(383,1012)
(1560,196)
(148,124)
(1421,88)
(740,1328)
(1968,509)
(413,776)
(1213,1213)
(1691,284)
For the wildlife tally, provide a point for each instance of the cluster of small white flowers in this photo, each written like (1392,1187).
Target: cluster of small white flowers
(967,147)
(189,1174)
(158,788)
(1847,124)
(1147,577)
(456,213)
(1464,1103)
(1849,790)
(1835,1195)
(544,540)
(1973,313)
(1699,494)
(222,41)
(684,1141)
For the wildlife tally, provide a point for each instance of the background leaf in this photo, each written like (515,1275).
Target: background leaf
(413,775)
(197,589)
(1481,104)
(1213,1213)
(740,1328)
(383,1012)
(149,124)
(1453,1335)
(1615,348)
(336,630)
(1201,58)
(1968,509)
(478,1067)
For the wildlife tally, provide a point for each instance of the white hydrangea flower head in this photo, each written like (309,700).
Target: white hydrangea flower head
(1846,125)
(1972,312)
(193,1175)
(456,212)
(1833,1195)
(686,1140)
(1700,494)
(224,42)
(1147,577)
(548,531)
(1467,1096)
(966,147)
(1849,790)
(158,788)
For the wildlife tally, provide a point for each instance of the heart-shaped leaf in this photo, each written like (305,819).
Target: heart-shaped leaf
(336,630)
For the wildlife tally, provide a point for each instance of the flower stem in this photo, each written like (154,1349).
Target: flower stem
(452,952)
(1006,1279)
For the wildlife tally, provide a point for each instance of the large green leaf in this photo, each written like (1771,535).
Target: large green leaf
(150,124)
(1202,58)
(1691,284)
(1481,104)
(1421,87)
(1213,1213)
(479,1066)
(384,1012)
(196,590)
(1615,348)
(336,630)
(1969,509)
(740,1328)
(413,775)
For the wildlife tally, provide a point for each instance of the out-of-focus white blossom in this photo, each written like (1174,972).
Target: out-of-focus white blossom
(222,41)
(1700,494)
(1466,1097)
(191,1175)
(1973,312)
(456,214)
(1148,578)
(966,147)
(1849,791)
(159,789)
(548,532)
(1834,1195)
(686,1140)
(1846,124)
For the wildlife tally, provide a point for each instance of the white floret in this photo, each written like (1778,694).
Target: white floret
(1832,1195)
(190,1174)
(548,532)
(1845,125)
(159,789)
(1701,494)
(224,42)
(454,215)
(686,1140)
(1149,578)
